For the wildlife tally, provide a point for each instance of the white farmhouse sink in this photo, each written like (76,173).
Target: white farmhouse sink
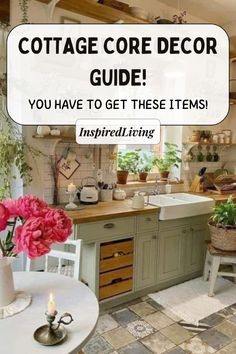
(181,205)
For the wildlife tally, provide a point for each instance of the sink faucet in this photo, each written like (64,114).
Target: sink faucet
(157,190)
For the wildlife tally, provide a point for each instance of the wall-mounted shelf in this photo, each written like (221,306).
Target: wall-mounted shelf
(98,11)
(189,146)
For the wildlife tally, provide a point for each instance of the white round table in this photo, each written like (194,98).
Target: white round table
(16,332)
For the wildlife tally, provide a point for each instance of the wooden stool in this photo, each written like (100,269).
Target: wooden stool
(214,258)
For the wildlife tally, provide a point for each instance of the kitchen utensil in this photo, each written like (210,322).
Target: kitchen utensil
(119,194)
(88,192)
(138,200)
(202,171)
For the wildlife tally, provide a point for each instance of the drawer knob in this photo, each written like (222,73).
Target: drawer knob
(109,225)
(154,237)
(117,254)
(148,219)
(184,231)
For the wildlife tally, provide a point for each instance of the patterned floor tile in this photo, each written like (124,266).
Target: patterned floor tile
(157,343)
(135,348)
(106,323)
(140,329)
(229,349)
(142,309)
(226,312)
(196,346)
(175,350)
(213,320)
(158,320)
(227,328)
(214,338)
(119,337)
(97,345)
(124,316)
(176,333)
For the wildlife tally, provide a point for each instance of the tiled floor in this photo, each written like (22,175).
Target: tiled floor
(144,327)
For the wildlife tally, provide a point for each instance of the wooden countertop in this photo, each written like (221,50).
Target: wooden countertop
(107,210)
(219,198)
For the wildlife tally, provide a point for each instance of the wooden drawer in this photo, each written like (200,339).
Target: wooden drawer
(106,228)
(147,222)
(115,276)
(108,250)
(115,289)
(116,262)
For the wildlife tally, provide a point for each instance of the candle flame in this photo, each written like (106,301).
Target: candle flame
(51,297)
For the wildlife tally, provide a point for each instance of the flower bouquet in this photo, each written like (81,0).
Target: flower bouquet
(32,227)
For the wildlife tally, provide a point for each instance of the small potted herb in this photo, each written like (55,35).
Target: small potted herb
(145,166)
(170,159)
(127,162)
(222,225)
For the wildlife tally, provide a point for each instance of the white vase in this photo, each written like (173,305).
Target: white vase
(7,291)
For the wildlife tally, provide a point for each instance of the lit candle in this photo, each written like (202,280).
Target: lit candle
(71,188)
(51,305)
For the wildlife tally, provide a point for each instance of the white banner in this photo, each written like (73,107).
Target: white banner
(59,73)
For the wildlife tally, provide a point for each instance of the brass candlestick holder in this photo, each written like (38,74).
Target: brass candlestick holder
(51,333)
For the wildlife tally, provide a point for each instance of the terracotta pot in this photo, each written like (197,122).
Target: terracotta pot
(143,176)
(122,177)
(164,174)
(7,291)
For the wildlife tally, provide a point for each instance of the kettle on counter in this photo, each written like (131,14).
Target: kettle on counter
(88,191)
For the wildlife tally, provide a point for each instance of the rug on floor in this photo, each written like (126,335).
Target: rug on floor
(190,301)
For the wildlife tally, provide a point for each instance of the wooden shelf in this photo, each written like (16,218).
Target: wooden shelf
(98,11)
(54,137)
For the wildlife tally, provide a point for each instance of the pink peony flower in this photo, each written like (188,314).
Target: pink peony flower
(30,205)
(12,206)
(33,237)
(60,224)
(4,216)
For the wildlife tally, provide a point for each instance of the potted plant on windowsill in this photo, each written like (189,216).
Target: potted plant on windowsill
(127,162)
(222,225)
(145,166)
(170,159)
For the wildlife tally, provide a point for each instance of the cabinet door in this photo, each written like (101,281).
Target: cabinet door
(145,260)
(195,248)
(171,254)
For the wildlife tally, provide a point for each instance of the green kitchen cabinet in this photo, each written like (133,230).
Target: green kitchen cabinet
(171,245)
(145,260)
(195,248)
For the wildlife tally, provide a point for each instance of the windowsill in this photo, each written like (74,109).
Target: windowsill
(148,183)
